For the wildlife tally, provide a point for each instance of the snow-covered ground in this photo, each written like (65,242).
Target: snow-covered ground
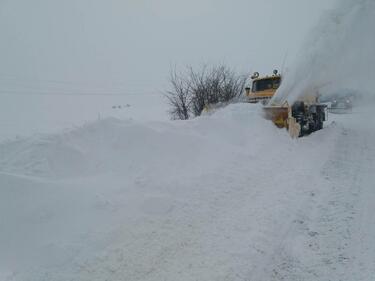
(23,113)
(222,197)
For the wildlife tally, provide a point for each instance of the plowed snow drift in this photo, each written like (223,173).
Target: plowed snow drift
(221,197)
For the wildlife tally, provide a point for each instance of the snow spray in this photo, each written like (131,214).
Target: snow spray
(339,54)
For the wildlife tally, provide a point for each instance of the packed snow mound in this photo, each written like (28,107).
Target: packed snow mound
(198,199)
(113,145)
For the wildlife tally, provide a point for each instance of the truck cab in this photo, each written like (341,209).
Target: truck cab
(263,88)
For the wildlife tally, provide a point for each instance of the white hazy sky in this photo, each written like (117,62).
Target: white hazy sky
(132,44)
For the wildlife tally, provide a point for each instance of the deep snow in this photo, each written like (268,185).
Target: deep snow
(222,197)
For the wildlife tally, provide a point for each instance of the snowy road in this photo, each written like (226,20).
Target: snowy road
(114,201)
(335,236)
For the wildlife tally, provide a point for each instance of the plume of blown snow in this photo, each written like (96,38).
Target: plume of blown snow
(338,55)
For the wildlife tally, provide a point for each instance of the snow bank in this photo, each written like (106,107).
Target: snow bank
(201,199)
(113,145)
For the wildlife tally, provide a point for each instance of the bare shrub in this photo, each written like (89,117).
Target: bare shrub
(192,91)
(179,97)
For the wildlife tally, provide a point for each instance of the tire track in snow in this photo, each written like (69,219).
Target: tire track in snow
(336,240)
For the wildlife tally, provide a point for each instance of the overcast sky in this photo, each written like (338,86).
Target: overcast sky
(132,44)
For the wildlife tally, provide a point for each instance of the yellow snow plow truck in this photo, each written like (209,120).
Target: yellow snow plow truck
(263,88)
(301,118)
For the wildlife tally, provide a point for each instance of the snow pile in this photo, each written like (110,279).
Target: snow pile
(112,145)
(222,197)
(199,199)
(338,55)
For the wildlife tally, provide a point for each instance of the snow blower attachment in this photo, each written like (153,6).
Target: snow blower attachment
(301,119)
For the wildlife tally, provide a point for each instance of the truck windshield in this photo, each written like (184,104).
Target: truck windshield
(266,84)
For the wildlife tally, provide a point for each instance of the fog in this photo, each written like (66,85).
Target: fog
(93,46)
(338,56)
(65,63)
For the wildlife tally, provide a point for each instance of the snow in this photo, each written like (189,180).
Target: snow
(338,55)
(104,187)
(24,113)
(226,196)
